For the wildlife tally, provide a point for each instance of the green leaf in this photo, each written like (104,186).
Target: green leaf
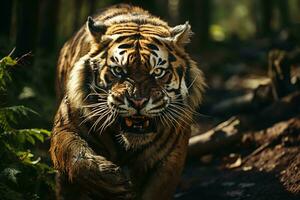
(8,61)
(4,74)
(10,114)
(39,134)
(4,124)
(17,110)
(20,138)
(30,139)
(23,155)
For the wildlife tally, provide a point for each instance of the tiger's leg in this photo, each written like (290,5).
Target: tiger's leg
(163,181)
(92,173)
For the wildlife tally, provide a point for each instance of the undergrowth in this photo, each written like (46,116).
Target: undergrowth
(23,172)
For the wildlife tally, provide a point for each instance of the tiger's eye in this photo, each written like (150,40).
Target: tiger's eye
(157,71)
(118,70)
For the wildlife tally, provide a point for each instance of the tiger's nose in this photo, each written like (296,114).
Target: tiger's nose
(138,102)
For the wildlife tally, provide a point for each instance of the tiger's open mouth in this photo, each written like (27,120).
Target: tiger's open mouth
(137,124)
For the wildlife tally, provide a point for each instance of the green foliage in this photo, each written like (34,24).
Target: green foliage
(23,175)
(9,115)
(4,74)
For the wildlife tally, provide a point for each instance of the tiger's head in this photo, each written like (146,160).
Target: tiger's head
(137,79)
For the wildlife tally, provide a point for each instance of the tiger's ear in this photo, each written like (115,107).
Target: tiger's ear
(181,34)
(96,29)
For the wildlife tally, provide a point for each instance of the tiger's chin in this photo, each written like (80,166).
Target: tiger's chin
(137,131)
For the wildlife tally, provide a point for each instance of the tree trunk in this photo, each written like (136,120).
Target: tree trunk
(204,16)
(27,16)
(48,24)
(5,18)
(266,13)
(280,66)
(77,23)
(284,13)
(198,14)
(161,9)
(92,7)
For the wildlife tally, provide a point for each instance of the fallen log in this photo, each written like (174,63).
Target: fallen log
(222,135)
(254,100)
(231,130)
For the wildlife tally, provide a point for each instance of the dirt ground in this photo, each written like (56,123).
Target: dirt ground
(265,166)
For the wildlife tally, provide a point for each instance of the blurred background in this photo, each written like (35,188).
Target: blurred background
(227,32)
(231,43)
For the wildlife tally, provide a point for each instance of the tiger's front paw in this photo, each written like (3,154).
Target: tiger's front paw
(102,178)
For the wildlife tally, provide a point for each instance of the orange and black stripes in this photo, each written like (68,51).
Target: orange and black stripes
(124,67)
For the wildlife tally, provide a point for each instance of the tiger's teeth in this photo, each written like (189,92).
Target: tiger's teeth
(146,123)
(128,122)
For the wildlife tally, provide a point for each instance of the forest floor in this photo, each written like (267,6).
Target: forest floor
(269,172)
(263,163)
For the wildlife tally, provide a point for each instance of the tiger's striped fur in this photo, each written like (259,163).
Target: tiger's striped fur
(128,91)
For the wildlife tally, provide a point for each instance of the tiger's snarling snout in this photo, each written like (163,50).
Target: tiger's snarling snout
(128,92)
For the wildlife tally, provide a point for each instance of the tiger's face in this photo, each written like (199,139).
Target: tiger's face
(142,86)
(145,83)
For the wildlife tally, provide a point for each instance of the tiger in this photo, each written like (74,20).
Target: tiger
(127,92)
